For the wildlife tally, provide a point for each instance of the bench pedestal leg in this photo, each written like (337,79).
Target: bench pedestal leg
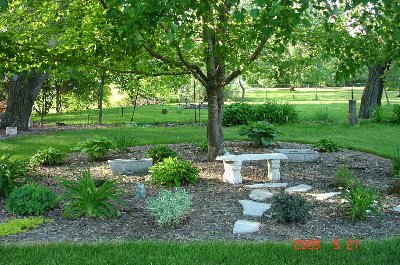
(274,173)
(232,172)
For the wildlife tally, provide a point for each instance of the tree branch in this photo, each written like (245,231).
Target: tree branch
(251,59)
(162,58)
(194,69)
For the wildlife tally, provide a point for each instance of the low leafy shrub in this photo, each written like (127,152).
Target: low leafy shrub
(159,152)
(10,171)
(169,208)
(396,164)
(31,199)
(237,114)
(85,199)
(122,143)
(344,178)
(47,157)
(96,148)
(327,145)
(395,114)
(395,187)
(203,146)
(276,113)
(290,208)
(242,113)
(360,200)
(174,172)
(260,132)
(15,226)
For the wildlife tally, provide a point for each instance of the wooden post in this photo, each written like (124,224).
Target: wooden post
(353,112)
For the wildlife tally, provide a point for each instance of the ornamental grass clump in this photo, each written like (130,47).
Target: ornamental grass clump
(84,198)
(344,178)
(10,171)
(173,172)
(170,208)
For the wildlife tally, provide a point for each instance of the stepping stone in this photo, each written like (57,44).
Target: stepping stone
(325,196)
(299,188)
(266,185)
(254,208)
(244,226)
(397,208)
(260,195)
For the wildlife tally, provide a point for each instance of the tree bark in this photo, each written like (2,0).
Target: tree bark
(372,94)
(214,126)
(101,94)
(242,88)
(22,93)
(58,99)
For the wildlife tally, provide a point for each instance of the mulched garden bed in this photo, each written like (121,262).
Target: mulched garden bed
(215,203)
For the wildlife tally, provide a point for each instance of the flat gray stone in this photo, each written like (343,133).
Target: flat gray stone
(299,188)
(397,208)
(260,195)
(244,226)
(130,166)
(266,185)
(325,196)
(299,155)
(255,209)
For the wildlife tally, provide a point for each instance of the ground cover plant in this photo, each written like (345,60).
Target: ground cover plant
(47,157)
(31,199)
(327,145)
(84,198)
(10,170)
(173,172)
(14,226)
(170,207)
(290,208)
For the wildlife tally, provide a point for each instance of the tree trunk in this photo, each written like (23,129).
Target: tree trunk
(101,93)
(58,99)
(242,88)
(214,125)
(22,92)
(372,94)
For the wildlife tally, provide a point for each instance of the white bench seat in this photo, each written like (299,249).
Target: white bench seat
(233,165)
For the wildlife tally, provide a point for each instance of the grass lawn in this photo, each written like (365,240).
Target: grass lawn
(369,252)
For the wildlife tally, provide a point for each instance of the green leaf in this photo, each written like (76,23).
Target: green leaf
(187,45)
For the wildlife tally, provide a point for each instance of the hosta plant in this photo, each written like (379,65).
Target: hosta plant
(47,157)
(31,199)
(96,148)
(260,132)
(169,208)
(159,152)
(84,198)
(174,172)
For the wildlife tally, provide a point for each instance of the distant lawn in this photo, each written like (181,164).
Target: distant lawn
(381,139)
(369,252)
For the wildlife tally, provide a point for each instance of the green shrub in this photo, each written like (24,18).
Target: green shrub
(260,132)
(395,187)
(159,152)
(85,199)
(10,170)
(344,178)
(47,157)
(31,199)
(290,208)
(15,226)
(169,208)
(396,163)
(203,146)
(242,113)
(327,145)
(276,113)
(378,114)
(395,114)
(360,200)
(122,143)
(96,148)
(237,114)
(174,172)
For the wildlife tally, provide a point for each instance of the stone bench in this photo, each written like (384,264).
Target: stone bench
(233,165)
